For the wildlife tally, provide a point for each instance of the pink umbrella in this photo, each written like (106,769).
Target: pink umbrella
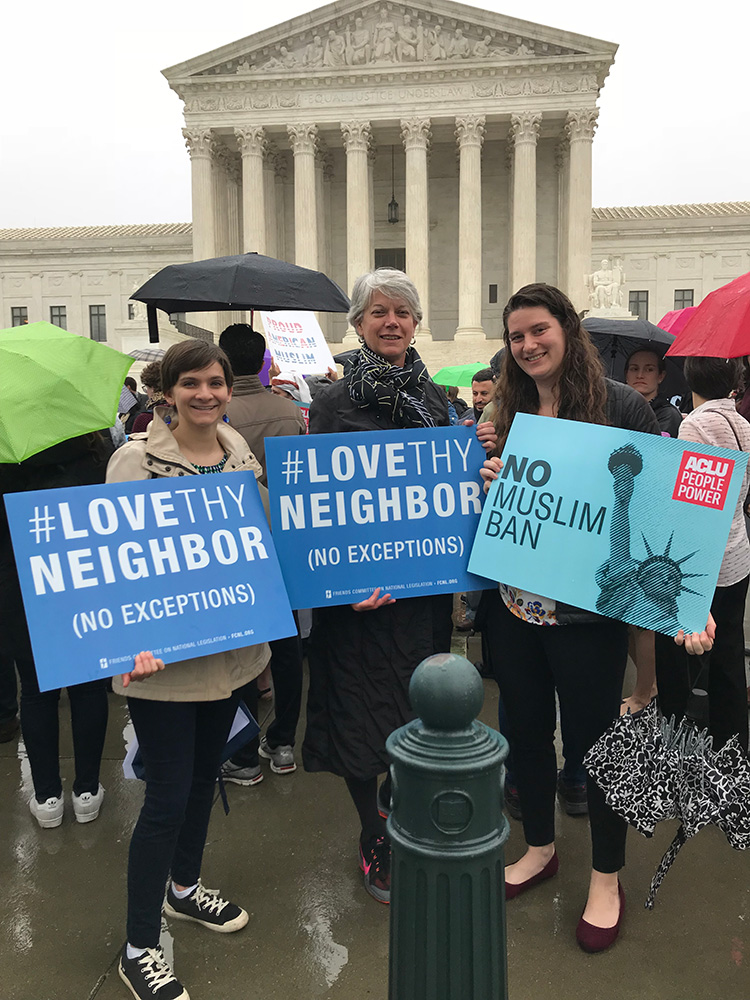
(720,326)
(676,319)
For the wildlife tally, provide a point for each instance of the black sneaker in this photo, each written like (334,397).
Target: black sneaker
(208,908)
(375,862)
(150,977)
(573,798)
(512,801)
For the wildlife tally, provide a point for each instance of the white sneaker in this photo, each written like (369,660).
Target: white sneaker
(86,806)
(48,814)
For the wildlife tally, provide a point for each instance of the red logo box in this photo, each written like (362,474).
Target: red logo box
(703,480)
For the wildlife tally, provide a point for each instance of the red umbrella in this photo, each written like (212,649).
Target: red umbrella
(676,320)
(720,326)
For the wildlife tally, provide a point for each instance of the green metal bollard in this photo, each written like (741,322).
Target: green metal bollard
(447,830)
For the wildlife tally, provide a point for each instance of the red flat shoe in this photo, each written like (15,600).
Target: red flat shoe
(592,938)
(550,869)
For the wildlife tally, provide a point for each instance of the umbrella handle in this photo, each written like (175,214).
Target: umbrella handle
(665,864)
(153,325)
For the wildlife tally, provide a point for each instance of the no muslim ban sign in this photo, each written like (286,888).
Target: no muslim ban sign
(183,567)
(630,525)
(391,509)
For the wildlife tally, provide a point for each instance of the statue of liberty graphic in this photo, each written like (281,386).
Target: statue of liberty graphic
(645,588)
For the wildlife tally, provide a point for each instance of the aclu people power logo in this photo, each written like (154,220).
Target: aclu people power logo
(703,480)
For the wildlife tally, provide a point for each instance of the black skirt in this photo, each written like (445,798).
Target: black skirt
(360,667)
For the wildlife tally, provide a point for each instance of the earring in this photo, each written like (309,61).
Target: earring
(225,418)
(167,420)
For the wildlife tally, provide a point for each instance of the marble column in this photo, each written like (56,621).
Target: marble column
(524,132)
(220,156)
(580,127)
(198,142)
(562,166)
(416,135)
(470,135)
(323,177)
(356,136)
(304,142)
(252,143)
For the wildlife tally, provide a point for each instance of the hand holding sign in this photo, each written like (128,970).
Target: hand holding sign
(145,665)
(374,602)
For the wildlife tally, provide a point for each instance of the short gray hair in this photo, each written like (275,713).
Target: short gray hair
(395,284)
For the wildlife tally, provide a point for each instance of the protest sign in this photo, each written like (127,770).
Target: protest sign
(390,509)
(630,525)
(296,341)
(181,567)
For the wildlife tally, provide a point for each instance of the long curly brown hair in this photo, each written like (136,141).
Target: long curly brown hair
(581,389)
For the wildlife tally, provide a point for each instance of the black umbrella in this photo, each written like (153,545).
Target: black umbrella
(247,281)
(617,339)
(651,770)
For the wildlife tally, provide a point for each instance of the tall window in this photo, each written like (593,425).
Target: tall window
(638,304)
(131,310)
(59,316)
(391,257)
(683,297)
(98,322)
(19,315)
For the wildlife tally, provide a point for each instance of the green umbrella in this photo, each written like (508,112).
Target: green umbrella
(54,385)
(458,374)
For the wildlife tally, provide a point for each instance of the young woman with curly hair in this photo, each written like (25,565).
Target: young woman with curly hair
(551,368)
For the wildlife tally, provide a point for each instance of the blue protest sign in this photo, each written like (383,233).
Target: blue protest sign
(391,509)
(630,525)
(182,567)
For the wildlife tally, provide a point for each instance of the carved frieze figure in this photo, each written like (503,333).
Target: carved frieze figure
(358,49)
(406,46)
(482,49)
(523,50)
(436,45)
(385,39)
(314,52)
(458,46)
(605,285)
(243,67)
(334,55)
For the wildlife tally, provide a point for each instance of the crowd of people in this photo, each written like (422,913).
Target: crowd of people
(206,412)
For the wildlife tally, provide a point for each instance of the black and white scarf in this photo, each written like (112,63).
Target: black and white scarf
(376,384)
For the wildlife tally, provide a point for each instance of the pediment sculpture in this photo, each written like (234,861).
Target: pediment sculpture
(389,38)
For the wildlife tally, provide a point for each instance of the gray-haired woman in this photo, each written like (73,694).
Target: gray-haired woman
(362,655)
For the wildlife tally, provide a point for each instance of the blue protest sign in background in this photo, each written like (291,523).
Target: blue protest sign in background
(391,509)
(630,525)
(162,564)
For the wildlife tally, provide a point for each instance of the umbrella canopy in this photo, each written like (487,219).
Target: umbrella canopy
(460,375)
(720,326)
(246,281)
(78,379)
(617,339)
(651,770)
(675,320)
(147,354)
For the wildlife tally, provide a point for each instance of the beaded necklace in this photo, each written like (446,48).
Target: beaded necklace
(219,467)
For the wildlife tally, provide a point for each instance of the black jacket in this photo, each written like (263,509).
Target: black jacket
(669,416)
(333,412)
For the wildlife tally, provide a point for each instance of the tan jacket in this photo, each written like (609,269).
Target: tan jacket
(258,414)
(203,678)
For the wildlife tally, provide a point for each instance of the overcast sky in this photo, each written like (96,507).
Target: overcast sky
(91,130)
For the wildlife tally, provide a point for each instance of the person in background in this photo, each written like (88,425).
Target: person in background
(9,724)
(645,371)
(79,461)
(482,392)
(258,414)
(151,379)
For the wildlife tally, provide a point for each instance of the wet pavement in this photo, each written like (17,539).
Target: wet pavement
(288,853)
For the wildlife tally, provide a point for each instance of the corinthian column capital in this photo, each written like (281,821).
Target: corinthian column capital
(416,133)
(525,127)
(356,135)
(251,140)
(581,125)
(198,141)
(470,130)
(303,138)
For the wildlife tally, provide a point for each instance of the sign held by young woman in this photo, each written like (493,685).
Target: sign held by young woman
(163,565)
(630,525)
(396,510)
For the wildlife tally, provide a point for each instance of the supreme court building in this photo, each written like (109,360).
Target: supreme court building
(447,140)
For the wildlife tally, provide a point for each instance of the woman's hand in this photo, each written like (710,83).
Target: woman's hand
(145,665)
(698,642)
(490,470)
(374,602)
(273,370)
(487,435)
(332,374)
